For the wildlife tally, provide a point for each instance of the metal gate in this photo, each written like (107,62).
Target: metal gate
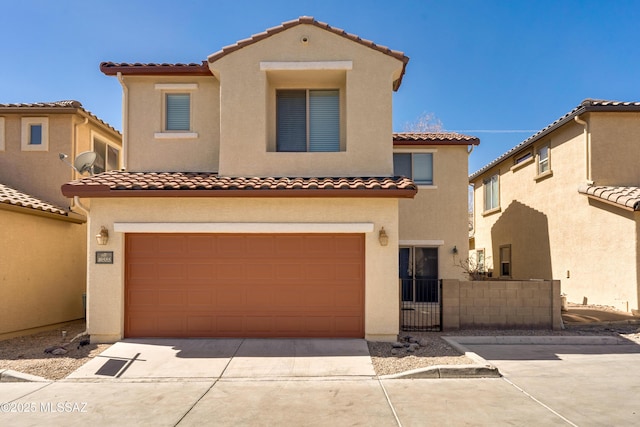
(420,304)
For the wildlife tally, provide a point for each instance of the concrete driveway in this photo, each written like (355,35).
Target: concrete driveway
(229,358)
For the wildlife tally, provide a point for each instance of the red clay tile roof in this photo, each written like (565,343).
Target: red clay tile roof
(205,184)
(192,69)
(625,197)
(434,138)
(309,20)
(14,197)
(67,106)
(588,105)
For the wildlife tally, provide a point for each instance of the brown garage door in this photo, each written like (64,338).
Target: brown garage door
(244,285)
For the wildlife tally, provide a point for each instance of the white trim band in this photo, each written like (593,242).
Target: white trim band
(175,135)
(421,243)
(305,65)
(176,86)
(242,227)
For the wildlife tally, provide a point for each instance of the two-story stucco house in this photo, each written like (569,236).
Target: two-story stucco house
(565,204)
(258,197)
(43,250)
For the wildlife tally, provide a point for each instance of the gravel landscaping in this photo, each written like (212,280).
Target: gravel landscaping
(415,349)
(27,354)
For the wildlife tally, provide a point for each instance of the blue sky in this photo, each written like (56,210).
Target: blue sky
(507,67)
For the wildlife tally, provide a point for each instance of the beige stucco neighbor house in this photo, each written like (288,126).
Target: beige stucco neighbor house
(258,197)
(565,204)
(43,251)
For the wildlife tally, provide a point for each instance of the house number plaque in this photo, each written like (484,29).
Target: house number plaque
(104,257)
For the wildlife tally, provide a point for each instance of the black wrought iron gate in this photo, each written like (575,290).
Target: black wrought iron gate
(420,304)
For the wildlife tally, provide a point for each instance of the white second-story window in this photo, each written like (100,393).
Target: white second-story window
(35,134)
(177,112)
(307,120)
(417,166)
(543,159)
(491,193)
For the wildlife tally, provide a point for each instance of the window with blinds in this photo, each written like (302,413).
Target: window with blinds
(417,166)
(178,112)
(307,120)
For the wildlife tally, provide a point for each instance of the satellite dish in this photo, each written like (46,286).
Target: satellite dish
(83,163)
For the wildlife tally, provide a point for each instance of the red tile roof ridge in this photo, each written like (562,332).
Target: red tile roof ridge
(114,181)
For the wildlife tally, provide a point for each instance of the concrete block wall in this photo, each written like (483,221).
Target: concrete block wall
(501,304)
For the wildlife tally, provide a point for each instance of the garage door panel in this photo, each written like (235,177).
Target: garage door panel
(171,271)
(199,299)
(170,298)
(244,285)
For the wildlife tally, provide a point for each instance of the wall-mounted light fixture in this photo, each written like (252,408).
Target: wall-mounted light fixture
(103,236)
(454,250)
(383,238)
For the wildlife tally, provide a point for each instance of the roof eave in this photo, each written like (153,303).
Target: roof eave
(156,70)
(103,191)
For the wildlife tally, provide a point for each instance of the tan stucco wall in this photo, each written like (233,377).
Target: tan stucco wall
(38,173)
(106,282)
(557,233)
(42,271)
(615,145)
(41,173)
(439,212)
(247,120)
(145,107)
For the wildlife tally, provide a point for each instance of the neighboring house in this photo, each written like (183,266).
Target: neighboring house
(33,135)
(564,204)
(43,251)
(42,263)
(259,197)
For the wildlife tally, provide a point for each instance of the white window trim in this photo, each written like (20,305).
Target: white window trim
(2,137)
(166,88)
(28,121)
(549,171)
(242,227)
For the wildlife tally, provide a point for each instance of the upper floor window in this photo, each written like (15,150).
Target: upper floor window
(543,159)
(35,134)
(417,166)
(108,156)
(178,112)
(307,120)
(491,193)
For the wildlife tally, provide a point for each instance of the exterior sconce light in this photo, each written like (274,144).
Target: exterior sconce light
(383,238)
(103,236)
(455,250)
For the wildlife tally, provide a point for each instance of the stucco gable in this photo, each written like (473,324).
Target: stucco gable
(307,20)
